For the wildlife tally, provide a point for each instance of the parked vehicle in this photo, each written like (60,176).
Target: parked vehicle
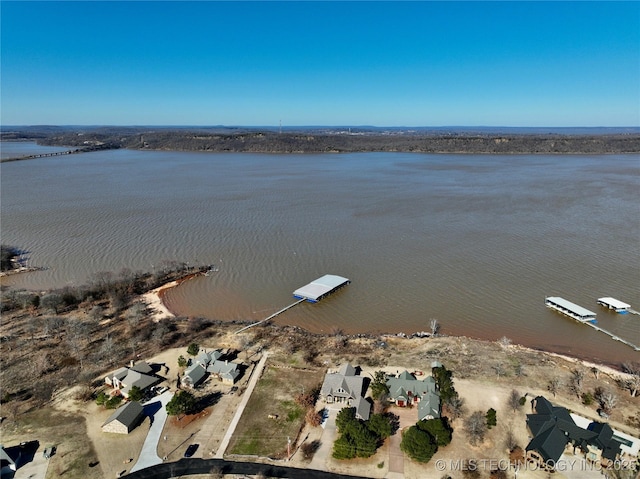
(191,450)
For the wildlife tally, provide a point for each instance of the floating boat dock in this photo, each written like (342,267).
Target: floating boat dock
(612,303)
(570,309)
(583,316)
(320,288)
(312,292)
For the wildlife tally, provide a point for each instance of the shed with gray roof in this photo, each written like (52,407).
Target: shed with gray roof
(125,418)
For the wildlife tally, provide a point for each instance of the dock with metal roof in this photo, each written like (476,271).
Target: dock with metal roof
(613,303)
(320,288)
(583,316)
(312,292)
(570,309)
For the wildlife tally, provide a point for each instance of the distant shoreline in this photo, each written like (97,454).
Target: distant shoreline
(227,140)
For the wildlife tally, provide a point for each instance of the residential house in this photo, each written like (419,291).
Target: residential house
(348,388)
(114,378)
(138,375)
(135,378)
(555,432)
(125,419)
(206,363)
(225,371)
(406,390)
(194,375)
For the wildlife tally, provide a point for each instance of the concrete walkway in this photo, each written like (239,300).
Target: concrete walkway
(149,454)
(327,439)
(396,457)
(257,372)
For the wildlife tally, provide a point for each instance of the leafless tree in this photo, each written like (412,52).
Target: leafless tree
(455,406)
(608,401)
(554,385)
(519,370)
(435,326)
(514,400)
(54,326)
(504,342)
(510,440)
(499,369)
(135,314)
(476,427)
(108,350)
(576,382)
(633,383)
(51,302)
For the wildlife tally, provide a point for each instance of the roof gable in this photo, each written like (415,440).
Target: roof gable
(550,444)
(127,414)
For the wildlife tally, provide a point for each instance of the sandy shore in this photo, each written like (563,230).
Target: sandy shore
(153,299)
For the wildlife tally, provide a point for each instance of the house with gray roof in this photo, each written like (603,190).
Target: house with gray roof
(115,377)
(205,358)
(125,419)
(554,431)
(135,378)
(194,375)
(225,371)
(406,390)
(346,387)
(142,367)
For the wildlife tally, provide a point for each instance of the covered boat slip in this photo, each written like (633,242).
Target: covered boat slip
(321,287)
(614,304)
(570,309)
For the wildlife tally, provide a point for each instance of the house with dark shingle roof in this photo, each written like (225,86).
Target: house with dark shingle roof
(554,431)
(348,388)
(125,419)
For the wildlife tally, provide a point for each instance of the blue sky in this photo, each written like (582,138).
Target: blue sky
(321,63)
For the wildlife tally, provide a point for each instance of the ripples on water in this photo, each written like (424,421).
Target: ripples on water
(474,241)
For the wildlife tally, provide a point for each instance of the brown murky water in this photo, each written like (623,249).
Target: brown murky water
(476,242)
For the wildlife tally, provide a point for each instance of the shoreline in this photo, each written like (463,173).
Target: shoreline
(155,301)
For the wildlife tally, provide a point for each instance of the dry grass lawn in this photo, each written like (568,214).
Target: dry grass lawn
(274,395)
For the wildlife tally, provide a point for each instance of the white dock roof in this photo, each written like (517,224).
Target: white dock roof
(320,286)
(579,310)
(614,303)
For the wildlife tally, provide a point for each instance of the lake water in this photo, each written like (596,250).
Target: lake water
(476,242)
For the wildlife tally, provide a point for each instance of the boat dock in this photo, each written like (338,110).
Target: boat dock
(585,316)
(612,303)
(271,317)
(614,337)
(570,309)
(312,292)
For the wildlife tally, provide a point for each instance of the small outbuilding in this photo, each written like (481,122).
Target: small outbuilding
(125,419)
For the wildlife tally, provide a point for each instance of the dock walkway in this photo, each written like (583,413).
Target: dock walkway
(272,316)
(613,336)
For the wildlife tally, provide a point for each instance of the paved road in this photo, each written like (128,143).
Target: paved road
(186,467)
(257,372)
(149,455)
